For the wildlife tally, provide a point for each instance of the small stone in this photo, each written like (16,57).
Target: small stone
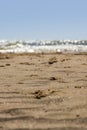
(52,60)
(52,78)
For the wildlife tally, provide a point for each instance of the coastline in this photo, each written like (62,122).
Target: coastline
(43,91)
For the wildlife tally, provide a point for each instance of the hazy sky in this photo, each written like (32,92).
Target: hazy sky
(43,19)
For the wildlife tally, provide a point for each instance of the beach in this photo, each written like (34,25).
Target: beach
(43,91)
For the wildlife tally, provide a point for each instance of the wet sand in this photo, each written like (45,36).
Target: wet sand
(43,92)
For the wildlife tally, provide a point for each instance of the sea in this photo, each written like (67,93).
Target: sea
(41,46)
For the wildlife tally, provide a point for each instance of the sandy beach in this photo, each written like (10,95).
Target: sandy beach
(43,91)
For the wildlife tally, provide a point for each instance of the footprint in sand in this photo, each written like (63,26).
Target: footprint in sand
(43,93)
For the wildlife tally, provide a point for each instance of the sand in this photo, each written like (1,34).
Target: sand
(43,92)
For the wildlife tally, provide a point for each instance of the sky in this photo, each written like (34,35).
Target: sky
(43,19)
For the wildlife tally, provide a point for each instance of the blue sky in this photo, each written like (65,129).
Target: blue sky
(43,19)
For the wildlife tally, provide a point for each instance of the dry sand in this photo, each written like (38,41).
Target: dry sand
(43,92)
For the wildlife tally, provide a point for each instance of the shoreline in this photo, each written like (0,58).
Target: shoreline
(42,53)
